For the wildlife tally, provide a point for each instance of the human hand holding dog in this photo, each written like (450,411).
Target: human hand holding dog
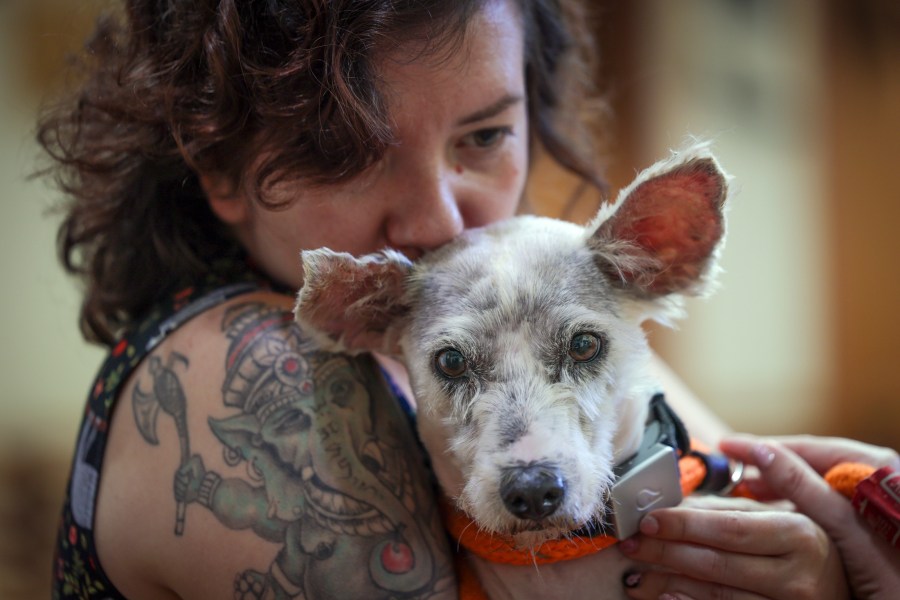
(791,468)
(727,546)
(712,547)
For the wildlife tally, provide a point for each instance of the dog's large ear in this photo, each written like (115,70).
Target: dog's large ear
(353,305)
(663,233)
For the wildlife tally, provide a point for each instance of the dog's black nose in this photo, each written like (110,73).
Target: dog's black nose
(532,492)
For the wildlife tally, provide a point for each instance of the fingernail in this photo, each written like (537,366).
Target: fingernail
(631,579)
(667,596)
(629,546)
(649,525)
(763,454)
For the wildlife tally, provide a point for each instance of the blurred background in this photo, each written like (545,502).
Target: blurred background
(802,101)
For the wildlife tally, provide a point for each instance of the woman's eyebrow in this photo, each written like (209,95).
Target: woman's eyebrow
(490,111)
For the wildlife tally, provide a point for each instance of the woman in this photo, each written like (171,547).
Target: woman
(221,453)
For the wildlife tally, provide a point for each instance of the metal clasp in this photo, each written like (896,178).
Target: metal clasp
(651,480)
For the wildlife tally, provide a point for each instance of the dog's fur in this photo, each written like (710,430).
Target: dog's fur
(510,298)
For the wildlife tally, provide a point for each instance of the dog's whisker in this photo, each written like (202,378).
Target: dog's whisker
(461,534)
(534,562)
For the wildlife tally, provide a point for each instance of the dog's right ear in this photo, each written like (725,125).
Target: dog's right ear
(663,234)
(353,305)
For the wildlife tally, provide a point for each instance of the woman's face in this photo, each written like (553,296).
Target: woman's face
(460,160)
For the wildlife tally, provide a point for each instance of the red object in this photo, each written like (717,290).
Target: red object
(877,500)
(397,557)
(120,348)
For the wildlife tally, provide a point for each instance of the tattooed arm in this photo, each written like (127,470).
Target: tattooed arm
(243,462)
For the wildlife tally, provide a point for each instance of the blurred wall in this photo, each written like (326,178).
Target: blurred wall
(751,79)
(46,369)
(46,366)
(862,52)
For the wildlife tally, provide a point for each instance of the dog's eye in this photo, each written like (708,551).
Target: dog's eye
(584,347)
(451,362)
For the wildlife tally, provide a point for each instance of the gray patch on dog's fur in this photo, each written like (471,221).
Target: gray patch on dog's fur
(511,427)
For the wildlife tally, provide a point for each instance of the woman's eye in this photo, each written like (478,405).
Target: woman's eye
(451,363)
(584,347)
(487,138)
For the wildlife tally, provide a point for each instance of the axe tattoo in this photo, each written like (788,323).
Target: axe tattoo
(168,395)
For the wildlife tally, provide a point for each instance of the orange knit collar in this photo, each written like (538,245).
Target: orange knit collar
(501,549)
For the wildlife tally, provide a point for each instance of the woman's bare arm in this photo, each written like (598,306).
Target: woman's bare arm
(702,423)
(295,471)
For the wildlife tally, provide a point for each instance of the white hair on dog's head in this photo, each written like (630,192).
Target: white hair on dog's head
(512,302)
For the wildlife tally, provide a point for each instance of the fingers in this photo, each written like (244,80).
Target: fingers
(735,503)
(181,487)
(188,478)
(703,569)
(733,554)
(767,533)
(726,569)
(789,476)
(662,585)
(788,469)
(822,453)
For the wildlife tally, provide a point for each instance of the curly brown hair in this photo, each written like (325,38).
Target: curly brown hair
(176,88)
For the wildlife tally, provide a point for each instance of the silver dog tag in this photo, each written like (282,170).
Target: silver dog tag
(651,483)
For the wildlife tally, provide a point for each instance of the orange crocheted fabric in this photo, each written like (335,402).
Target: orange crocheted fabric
(844,477)
(502,549)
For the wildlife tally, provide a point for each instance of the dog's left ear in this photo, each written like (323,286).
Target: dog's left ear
(353,305)
(663,233)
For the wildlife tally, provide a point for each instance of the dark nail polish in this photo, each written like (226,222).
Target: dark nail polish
(631,579)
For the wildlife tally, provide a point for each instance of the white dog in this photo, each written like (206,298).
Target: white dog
(524,345)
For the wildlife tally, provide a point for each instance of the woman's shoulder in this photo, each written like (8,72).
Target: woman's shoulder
(242,451)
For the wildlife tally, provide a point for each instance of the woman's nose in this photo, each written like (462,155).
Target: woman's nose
(426,212)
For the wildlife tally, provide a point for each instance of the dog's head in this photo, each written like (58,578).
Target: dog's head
(523,339)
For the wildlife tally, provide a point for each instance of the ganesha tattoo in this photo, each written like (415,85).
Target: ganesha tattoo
(333,474)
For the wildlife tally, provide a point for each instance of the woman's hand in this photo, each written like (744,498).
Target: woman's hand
(790,468)
(734,548)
